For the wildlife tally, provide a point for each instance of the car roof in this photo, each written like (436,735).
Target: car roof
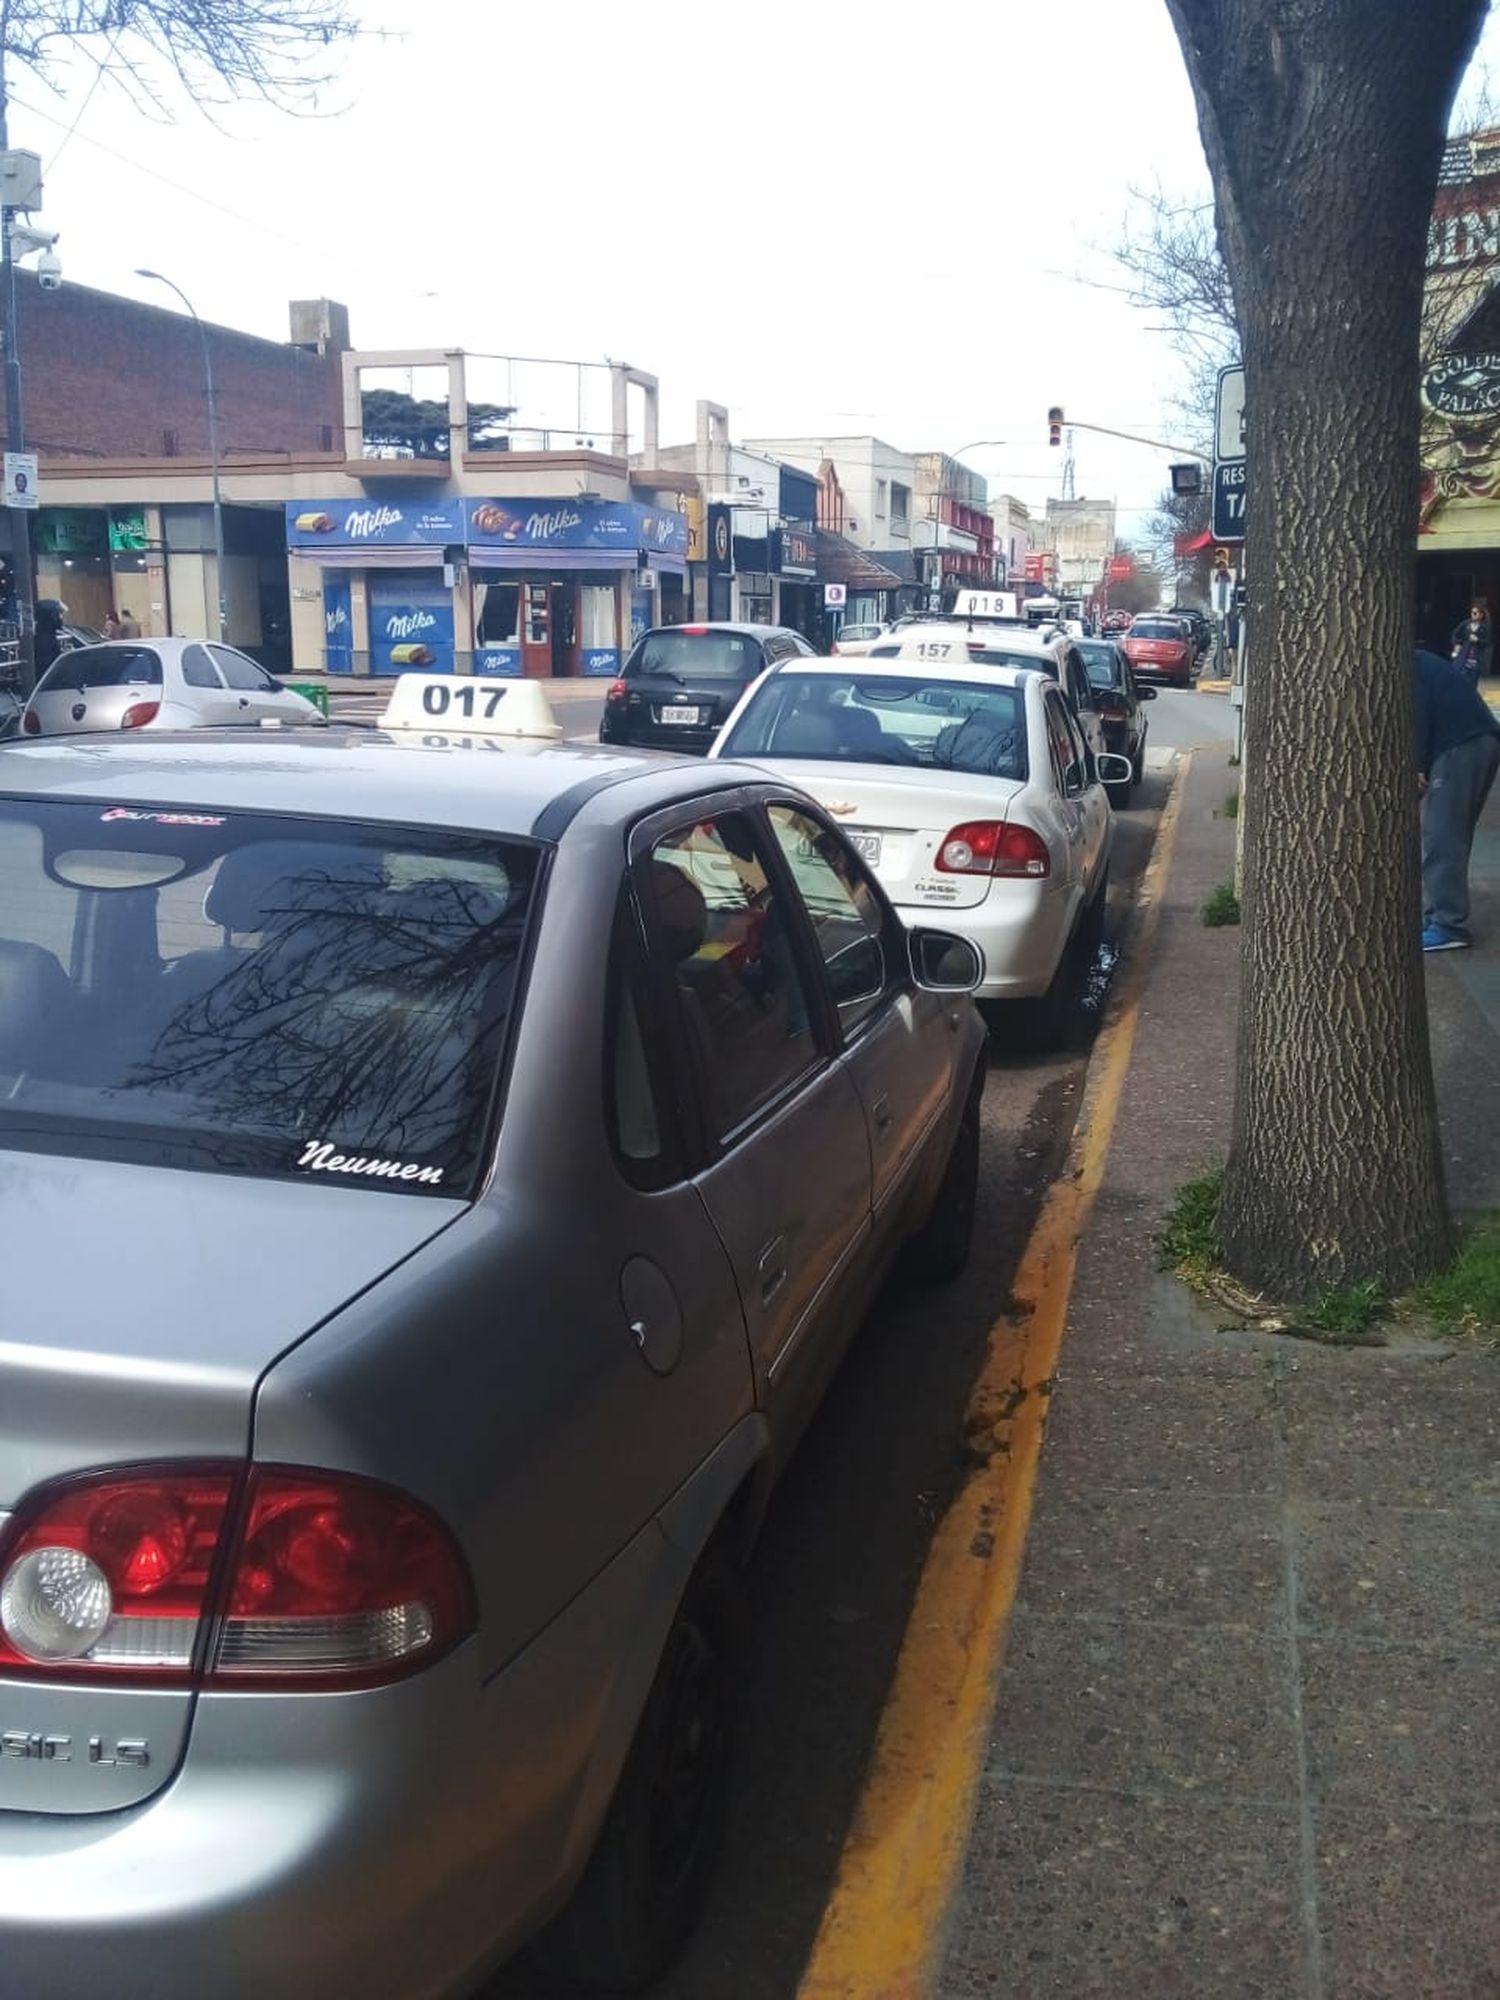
(696,627)
(169,648)
(869,666)
(1020,638)
(348,772)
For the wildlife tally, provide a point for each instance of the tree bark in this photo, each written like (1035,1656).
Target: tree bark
(1323,123)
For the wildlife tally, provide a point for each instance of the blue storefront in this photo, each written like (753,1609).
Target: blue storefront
(545,587)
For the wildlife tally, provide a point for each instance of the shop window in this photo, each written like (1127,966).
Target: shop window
(500,615)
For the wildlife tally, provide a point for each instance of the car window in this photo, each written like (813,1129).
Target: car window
(198,670)
(862,718)
(255,993)
(1080,756)
(847,917)
(1060,743)
(696,652)
(241,672)
(1156,628)
(101,667)
(1103,665)
(728,939)
(639,1125)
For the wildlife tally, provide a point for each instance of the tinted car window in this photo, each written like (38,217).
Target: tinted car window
(846,915)
(255,994)
(1157,628)
(950,725)
(101,667)
(198,670)
(1061,742)
(691,655)
(242,673)
(728,941)
(1104,665)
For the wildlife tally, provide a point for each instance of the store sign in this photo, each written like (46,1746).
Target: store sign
(72,531)
(692,512)
(498,662)
(799,554)
(720,540)
(576,524)
(338,624)
(1465,385)
(600,661)
(127,530)
(411,624)
(373,523)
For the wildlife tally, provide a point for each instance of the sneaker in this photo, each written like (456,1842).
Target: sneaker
(1437,937)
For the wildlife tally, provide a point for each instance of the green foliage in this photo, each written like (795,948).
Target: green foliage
(1466,1295)
(1221,907)
(1232,806)
(393,421)
(1189,1239)
(1346,1309)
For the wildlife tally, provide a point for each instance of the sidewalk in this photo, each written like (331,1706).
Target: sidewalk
(1247,1744)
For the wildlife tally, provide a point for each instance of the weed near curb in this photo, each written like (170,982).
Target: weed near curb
(1221,907)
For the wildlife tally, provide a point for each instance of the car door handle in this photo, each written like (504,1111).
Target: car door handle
(880,1111)
(771,1270)
(244,701)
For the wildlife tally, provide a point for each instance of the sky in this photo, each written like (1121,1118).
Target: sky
(827,224)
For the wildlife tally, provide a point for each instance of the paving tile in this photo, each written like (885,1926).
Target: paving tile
(1130,1705)
(1396,1435)
(1409,1909)
(1079,1896)
(1406,1729)
(1173,1432)
(1397,1574)
(1193,1558)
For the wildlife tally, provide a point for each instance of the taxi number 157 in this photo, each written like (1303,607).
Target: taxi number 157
(933,649)
(467,699)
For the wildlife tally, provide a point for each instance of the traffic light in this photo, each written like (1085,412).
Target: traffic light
(1054,424)
(1223,562)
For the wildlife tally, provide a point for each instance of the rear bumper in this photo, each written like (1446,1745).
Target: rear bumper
(646,735)
(1020,929)
(390,1843)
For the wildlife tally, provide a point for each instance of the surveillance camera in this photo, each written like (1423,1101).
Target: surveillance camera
(49,271)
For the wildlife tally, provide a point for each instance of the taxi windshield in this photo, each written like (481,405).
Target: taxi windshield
(255,994)
(946,725)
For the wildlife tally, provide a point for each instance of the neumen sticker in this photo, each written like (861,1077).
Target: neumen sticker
(319,1157)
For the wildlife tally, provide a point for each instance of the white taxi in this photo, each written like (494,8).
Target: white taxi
(970,790)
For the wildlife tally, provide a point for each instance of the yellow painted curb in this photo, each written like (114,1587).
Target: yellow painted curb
(882,1929)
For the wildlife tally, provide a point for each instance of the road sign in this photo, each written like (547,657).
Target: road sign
(20,479)
(1229,426)
(835,596)
(1229,502)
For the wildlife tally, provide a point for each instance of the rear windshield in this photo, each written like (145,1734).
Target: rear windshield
(685,656)
(252,994)
(1156,628)
(1103,664)
(948,725)
(101,667)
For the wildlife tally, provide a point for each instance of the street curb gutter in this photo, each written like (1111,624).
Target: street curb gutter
(882,1932)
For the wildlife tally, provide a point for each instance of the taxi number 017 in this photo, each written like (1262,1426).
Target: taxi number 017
(468,700)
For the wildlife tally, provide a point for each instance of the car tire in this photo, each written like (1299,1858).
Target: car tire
(1138,764)
(1046,1024)
(643,1888)
(939,1252)
(1119,795)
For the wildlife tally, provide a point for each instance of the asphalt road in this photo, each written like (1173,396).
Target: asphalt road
(833,1578)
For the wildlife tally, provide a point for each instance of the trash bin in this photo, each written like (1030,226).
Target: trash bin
(315,692)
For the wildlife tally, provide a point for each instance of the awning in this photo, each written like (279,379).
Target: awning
(595,561)
(372,558)
(1192,545)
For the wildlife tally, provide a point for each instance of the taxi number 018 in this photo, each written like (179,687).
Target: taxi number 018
(467,700)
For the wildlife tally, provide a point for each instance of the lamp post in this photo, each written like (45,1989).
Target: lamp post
(213,441)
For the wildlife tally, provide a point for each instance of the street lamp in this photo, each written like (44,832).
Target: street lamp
(213,441)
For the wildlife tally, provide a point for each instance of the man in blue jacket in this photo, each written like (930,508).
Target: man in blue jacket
(1458,752)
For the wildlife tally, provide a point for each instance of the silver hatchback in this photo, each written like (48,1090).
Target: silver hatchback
(438,1186)
(159,684)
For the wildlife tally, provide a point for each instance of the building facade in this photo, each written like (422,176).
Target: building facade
(1081,534)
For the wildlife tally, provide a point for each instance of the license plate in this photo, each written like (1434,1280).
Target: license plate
(677,713)
(867,844)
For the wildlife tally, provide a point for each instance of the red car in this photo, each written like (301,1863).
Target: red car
(1115,621)
(1160,649)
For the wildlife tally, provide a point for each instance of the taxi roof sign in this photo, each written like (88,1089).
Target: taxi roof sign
(449,702)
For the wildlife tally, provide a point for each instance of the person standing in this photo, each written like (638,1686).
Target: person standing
(111,626)
(129,625)
(1474,640)
(1458,753)
(46,638)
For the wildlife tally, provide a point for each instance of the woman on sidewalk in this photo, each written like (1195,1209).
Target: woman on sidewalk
(1474,641)
(1458,753)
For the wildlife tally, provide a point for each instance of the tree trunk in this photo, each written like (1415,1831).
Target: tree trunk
(1323,122)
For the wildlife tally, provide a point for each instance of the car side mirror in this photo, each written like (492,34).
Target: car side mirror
(1114,770)
(944,962)
(1145,694)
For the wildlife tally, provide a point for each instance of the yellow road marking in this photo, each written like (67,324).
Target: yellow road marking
(882,1929)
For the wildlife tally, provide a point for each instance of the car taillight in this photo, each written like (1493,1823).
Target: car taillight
(31,724)
(615,691)
(139,714)
(990,847)
(166,1574)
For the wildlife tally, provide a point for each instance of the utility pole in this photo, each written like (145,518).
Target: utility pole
(213,444)
(15,422)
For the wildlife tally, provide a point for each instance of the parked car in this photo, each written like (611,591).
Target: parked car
(484,1161)
(159,684)
(1198,624)
(857,639)
(1046,648)
(680,681)
(970,790)
(1160,649)
(1115,621)
(1117,703)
